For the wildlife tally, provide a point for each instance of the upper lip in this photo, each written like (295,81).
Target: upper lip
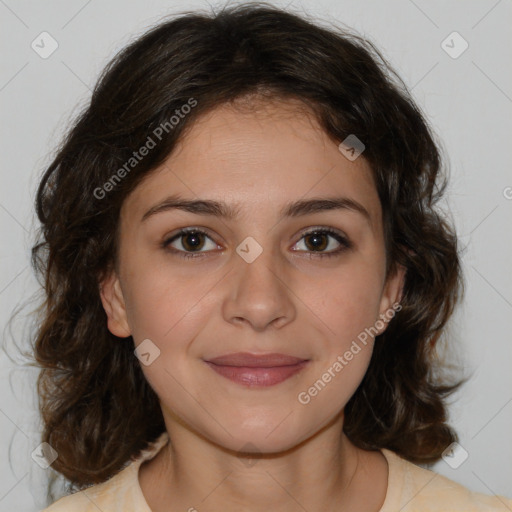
(255,360)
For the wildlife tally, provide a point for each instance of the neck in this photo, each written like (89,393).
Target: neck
(325,472)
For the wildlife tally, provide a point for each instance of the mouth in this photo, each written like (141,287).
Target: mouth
(253,370)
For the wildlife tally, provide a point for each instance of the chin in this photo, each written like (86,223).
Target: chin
(258,436)
(259,443)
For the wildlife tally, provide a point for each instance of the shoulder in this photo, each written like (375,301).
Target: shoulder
(412,488)
(121,493)
(108,496)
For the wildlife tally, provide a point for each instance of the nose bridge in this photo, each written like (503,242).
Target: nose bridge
(258,292)
(257,268)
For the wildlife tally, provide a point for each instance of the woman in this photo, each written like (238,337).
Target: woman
(246,279)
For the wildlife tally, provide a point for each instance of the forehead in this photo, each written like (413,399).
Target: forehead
(256,155)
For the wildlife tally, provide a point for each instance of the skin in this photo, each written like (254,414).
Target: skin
(288,300)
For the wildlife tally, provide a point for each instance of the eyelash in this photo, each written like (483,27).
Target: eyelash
(345,243)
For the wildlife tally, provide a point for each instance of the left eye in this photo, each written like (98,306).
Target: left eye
(315,241)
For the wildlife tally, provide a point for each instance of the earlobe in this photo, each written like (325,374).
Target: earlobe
(114,305)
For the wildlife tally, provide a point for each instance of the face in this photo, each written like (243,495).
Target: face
(264,278)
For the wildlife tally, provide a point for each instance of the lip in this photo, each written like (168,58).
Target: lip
(257,370)
(255,360)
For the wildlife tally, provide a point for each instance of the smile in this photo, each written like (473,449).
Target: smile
(257,371)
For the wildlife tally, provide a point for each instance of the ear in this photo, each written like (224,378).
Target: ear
(391,296)
(114,305)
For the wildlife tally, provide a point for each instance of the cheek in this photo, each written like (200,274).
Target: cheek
(161,304)
(349,303)
(335,381)
(171,314)
(344,356)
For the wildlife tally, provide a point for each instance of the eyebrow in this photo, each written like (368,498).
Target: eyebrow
(223,210)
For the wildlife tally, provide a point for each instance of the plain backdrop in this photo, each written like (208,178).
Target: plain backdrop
(467,98)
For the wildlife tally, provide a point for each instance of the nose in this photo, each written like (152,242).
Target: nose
(258,293)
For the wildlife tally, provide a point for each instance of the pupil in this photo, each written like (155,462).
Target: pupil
(196,240)
(317,238)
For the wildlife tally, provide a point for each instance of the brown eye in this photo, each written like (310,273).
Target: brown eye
(318,240)
(189,241)
(192,240)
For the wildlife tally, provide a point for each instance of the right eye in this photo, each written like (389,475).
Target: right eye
(190,240)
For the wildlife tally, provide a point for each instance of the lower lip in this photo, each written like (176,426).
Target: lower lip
(257,377)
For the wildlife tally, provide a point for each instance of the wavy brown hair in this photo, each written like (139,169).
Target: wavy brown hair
(90,379)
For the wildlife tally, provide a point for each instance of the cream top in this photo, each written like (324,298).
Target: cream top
(411,488)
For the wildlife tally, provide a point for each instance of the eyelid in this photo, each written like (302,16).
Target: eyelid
(324,229)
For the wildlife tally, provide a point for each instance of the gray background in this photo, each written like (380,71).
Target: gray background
(467,100)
